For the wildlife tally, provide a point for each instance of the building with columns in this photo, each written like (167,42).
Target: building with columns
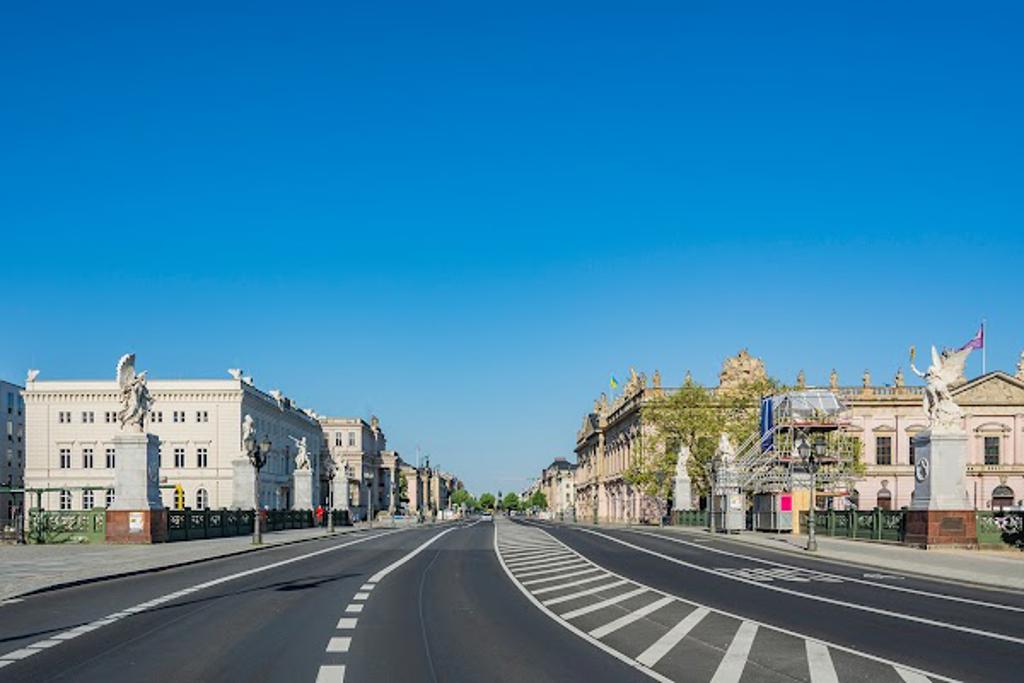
(70,425)
(12,453)
(373,471)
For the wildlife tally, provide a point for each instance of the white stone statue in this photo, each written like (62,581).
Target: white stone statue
(135,398)
(1020,367)
(725,452)
(248,429)
(944,415)
(302,457)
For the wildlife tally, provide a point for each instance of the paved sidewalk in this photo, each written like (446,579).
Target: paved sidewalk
(28,568)
(1003,569)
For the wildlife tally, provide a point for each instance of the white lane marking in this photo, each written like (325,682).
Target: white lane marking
(331,673)
(911,676)
(812,596)
(876,575)
(402,560)
(354,609)
(546,563)
(21,654)
(516,566)
(339,644)
(780,573)
(731,667)
(779,629)
(604,603)
(581,582)
(661,647)
(627,619)
(819,661)
(360,596)
(591,570)
(582,634)
(583,593)
(877,584)
(346,623)
(575,564)
(43,644)
(367,587)
(149,604)
(5,662)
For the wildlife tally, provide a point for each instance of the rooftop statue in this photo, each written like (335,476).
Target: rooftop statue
(833,380)
(135,398)
(944,415)
(1020,367)
(899,380)
(741,369)
(801,380)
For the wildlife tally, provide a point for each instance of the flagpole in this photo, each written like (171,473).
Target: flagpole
(984,346)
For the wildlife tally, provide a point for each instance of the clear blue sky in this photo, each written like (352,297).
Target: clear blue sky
(464,216)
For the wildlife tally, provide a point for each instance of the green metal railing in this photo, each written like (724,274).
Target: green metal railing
(67,526)
(863,525)
(690,518)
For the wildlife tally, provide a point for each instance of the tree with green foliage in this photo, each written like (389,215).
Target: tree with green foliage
(487,501)
(539,500)
(511,501)
(459,497)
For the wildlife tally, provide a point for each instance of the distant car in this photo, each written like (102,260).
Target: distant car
(487,517)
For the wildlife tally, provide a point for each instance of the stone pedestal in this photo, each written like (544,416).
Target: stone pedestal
(137,514)
(241,485)
(682,498)
(940,511)
(340,498)
(303,490)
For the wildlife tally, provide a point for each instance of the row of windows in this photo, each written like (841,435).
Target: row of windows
(202,458)
(883,450)
(65,499)
(110,417)
(14,403)
(339,438)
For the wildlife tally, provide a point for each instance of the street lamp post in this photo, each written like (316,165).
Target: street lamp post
(369,497)
(330,494)
(711,499)
(257,454)
(811,456)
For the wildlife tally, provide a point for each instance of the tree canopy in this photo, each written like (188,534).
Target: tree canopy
(539,500)
(487,501)
(511,501)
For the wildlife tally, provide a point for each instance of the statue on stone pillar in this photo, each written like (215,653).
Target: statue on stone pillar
(899,380)
(135,398)
(944,415)
(302,457)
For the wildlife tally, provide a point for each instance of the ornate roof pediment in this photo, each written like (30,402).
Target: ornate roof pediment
(993,389)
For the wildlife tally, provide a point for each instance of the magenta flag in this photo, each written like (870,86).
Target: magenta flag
(977,342)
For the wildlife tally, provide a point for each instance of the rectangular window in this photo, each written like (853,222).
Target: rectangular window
(111,458)
(156,416)
(201,457)
(179,457)
(351,438)
(110,497)
(338,439)
(179,416)
(88,417)
(87,500)
(202,416)
(991,450)
(10,402)
(883,450)
(87,458)
(65,458)
(64,417)
(910,449)
(65,500)
(110,416)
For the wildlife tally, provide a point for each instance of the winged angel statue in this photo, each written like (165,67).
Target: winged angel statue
(947,368)
(135,398)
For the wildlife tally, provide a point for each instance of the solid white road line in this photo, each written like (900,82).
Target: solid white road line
(819,661)
(661,647)
(583,593)
(812,596)
(876,584)
(628,619)
(346,623)
(331,673)
(604,603)
(399,562)
(731,667)
(591,570)
(541,591)
(339,644)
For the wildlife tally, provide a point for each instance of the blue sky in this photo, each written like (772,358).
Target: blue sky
(462,217)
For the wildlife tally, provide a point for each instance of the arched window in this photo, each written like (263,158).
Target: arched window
(202,499)
(87,500)
(65,500)
(110,497)
(1002,497)
(884,499)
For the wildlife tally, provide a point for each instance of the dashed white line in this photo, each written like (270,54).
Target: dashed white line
(360,596)
(339,644)
(331,673)
(354,609)
(347,623)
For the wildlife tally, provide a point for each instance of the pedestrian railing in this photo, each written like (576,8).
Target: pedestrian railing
(862,525)
(691,518)
(187,524)
(1000,529)
(67,526)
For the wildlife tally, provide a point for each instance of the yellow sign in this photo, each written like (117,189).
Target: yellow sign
(179,497)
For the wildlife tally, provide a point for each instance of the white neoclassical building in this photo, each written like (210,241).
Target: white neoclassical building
(70,425)
(12,453)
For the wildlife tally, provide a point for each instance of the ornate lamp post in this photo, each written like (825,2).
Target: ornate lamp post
(368,475)
(811,456)
(330,471)
(257,454)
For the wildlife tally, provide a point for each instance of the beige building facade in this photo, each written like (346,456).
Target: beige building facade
(70,426)
(558,483)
